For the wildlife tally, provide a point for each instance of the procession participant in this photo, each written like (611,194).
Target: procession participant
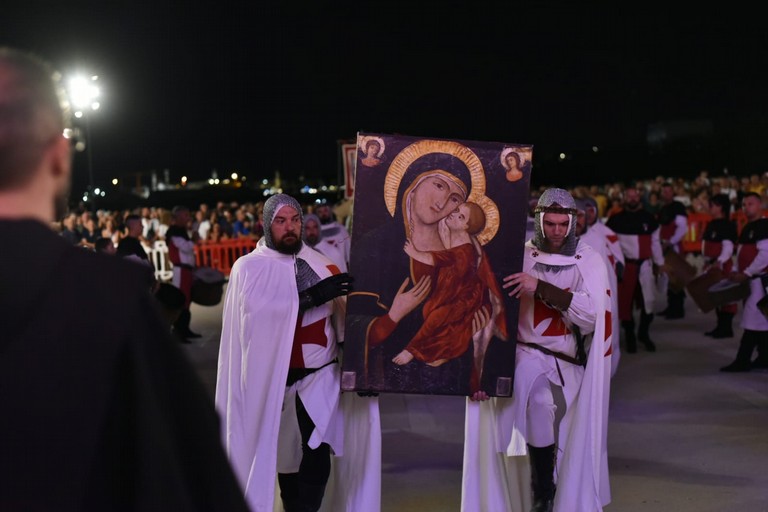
(638,234)
(181,252)
(278,382)
(673,220)
(102,412)
(603,240)
(313,237)
(717,244)
(751,264)
(333,232)
(564,346)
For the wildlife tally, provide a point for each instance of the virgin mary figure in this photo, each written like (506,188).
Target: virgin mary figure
(385,311)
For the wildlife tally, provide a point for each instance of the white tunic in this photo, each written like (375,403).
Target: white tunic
(259,320)
(495,430)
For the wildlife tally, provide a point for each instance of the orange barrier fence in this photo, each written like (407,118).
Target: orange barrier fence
(222,255)
(697,223)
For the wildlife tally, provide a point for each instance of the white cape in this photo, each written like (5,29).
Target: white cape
(494,480)
(259,320)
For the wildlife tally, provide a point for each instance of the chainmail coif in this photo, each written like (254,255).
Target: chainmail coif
(556,200)
(271,207)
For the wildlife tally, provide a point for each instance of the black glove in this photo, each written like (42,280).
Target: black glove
(327,289)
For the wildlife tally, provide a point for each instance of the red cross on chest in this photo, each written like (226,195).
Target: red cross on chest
(312,334)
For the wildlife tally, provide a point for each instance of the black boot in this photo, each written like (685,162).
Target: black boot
(629,336)
(743,361)
(717,327)
(299,496)
(724,326)
(542,477)
(761,363)
(675,299)
(181,327)
(642,331)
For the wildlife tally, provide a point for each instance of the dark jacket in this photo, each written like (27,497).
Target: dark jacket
(102,410)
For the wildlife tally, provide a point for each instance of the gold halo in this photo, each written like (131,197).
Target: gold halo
(407,156)
(492,218)
(363,141)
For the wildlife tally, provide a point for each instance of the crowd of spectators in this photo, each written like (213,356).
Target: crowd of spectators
(234,220)
(693,194)
(208,225)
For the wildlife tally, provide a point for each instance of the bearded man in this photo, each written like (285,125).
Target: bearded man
(639,236)
(278,383)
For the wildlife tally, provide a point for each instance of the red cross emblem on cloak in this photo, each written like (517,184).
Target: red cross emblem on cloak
(542,312)
(312,334)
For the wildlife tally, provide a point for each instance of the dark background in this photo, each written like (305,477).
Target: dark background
(193,87)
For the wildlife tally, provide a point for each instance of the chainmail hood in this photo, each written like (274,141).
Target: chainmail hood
(308,217)
(556,200)
(271,207)
(582,205)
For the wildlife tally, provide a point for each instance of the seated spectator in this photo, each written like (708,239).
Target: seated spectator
(90,233)
(216,234)
(201,225)
(68,231)
(241,228)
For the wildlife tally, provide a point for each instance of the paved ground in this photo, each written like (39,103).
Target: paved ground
(682,436)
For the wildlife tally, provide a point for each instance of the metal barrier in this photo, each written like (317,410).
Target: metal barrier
(222,255)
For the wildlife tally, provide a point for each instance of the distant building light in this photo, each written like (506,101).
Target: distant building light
(562,156)
(234,176)
(97,191)
(216,181)
(211,181)
(183,180)
(114,181)
(103,193)
(594,149)
(264,181)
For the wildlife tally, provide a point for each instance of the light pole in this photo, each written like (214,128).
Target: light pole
(84,96)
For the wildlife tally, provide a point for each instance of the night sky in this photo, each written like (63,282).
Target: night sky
(193,87)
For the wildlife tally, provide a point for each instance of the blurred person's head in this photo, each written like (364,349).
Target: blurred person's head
(35,153)
(752,205)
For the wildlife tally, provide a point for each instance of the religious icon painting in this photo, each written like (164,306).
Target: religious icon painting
(437,224)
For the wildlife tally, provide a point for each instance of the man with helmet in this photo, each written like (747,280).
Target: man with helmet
(603,240)
(278,377)
(563,349)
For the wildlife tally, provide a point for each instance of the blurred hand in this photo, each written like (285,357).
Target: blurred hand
(479,396)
